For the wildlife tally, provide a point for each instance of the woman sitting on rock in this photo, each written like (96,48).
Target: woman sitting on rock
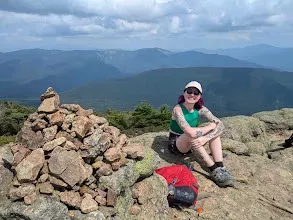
(185,136)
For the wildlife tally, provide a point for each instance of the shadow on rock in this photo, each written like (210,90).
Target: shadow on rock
(160,146)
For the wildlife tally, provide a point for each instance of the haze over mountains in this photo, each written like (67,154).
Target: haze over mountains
(28,72)
(262,54)
(119,79)
(154,58)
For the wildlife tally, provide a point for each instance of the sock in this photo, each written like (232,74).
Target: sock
(213,167)
(219,164)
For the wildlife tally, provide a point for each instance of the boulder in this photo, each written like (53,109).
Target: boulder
(66,166)
(6,177)
(88,204)
(49,105)
(53,144)
(77,215)
(6,156)
(21,191)
(236,147)
(20,155)
(81,126)
(71,107)
(28,169)
(121,179)
(134,151)
(152,195)
(44,208)
(27,137)
(276,120)
(245,129)
(71,198)
(56,118)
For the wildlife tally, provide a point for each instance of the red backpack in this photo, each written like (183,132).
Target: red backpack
(183,187)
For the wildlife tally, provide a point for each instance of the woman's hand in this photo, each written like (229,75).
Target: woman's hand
(199,142)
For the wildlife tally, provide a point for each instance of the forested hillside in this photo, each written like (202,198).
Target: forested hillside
(227,91)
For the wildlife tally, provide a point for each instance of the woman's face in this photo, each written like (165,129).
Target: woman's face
(192,95)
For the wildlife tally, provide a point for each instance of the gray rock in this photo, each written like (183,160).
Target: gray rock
(256,148)
(245,129)
(276,120)
(99,145)
(29,138)
(6,154)
(71,107)
(121,179)
(49,105)
(152,194)
(71,198)
(148,164)
(22,191)
(53,144)
(44,208)
(81,126)
(77,215)
(28,169)
(124,202)
(6,178)
(50,133)
(67,166)
(88,204)
(235,147)
(93,139)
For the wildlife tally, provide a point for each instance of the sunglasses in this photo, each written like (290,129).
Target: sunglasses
(190,91)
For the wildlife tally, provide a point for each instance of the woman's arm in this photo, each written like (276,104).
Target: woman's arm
(177,114)
(206,113)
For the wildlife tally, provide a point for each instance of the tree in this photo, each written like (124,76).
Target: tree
(12,117)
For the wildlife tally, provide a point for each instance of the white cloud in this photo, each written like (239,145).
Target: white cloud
(153,18)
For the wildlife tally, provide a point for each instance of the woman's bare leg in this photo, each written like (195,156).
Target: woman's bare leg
(204,156)
(183,145)
(216,149)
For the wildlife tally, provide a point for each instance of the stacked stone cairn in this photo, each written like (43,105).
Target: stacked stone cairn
(63,150)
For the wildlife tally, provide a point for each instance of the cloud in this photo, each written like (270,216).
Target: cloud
(143,19)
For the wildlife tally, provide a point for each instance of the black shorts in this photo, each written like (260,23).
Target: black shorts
(172,144)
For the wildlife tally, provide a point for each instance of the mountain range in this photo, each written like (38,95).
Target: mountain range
(227,91)
(119,79)
(262,54)
(26,73)
(137,61)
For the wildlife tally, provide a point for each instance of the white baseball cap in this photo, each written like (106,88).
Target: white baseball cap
(194,84)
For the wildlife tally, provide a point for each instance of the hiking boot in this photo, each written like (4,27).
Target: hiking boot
(221,177)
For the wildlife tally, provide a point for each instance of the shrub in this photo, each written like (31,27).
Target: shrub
(143,119)
(6,139)
(12,117)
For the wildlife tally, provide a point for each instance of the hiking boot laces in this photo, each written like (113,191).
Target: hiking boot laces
(221,176)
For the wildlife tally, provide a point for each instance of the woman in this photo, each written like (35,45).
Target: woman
(185,136)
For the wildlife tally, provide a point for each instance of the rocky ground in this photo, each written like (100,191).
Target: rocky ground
(262,168)
(70,164)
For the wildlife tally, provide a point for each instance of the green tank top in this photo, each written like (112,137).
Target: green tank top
(190,117)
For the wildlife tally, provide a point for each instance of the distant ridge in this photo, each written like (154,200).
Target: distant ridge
(262,54)
(155,58)
(227,91)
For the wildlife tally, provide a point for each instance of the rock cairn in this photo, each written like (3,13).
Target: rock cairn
(63,151)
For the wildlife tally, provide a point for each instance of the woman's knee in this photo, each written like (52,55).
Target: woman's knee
(216,139)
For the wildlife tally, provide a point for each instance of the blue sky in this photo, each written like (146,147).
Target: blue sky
(133,24)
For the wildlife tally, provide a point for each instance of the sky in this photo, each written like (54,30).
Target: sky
(134,24)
